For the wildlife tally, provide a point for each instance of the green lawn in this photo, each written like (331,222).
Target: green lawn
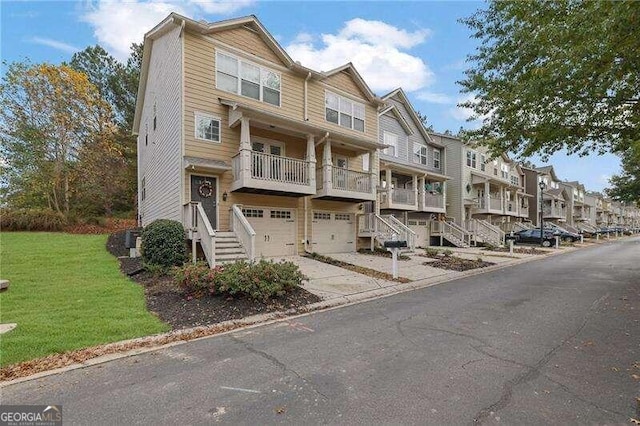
(66,292)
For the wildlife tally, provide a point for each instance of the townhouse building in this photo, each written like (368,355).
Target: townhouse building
(554,196)
(254,153)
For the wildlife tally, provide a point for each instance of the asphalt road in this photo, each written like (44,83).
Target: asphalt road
(548,342)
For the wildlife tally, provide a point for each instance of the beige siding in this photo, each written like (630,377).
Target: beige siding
(248,41)
(345,82)
(160,158)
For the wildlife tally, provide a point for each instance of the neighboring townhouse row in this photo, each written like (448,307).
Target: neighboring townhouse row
(258,155)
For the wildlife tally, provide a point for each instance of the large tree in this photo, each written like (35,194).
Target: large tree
(626,185)
(48,114)
(549,75)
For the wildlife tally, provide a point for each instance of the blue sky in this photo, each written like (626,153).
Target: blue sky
(420,46)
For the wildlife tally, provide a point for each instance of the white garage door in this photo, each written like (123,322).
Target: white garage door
(275,230)
(420,227)
(333,232)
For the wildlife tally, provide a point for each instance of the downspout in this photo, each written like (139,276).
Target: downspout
(306,115)
(306,224)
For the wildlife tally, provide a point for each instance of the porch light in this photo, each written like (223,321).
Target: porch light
(224,196)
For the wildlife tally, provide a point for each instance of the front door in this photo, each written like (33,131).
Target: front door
(204,190)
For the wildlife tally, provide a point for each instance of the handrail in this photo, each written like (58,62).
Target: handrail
(244,232)
(350,180)
(387,229)
(453,229)
(433,200)
(278,168)
(201,224)
(403,196)
(407,233)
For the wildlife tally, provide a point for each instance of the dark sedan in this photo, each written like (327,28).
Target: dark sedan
(566,236)
(532,236)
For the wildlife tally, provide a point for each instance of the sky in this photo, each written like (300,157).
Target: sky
(419,46)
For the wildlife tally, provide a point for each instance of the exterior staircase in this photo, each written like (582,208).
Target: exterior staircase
(484,232)
(228,248)
(452,232)
(381,229)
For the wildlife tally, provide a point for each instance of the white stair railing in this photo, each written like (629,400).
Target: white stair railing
(384,231)
(451,231)
(199,223)
(406,233)
(243,231)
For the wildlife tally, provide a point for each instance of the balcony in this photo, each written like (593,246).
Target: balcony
(400,199)
(433,202)
(267,173)
(580,214)
(489,205)
(346,185)
(554,212)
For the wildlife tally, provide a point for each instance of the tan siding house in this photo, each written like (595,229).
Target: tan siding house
(256,149)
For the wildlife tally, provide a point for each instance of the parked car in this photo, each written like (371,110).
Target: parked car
(566,236)
(532,236)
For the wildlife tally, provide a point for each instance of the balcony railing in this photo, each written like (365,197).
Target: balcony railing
(495,203)
(350,180)
(433,200)
(260,170)
(524,211)
(554,211)
(403,196)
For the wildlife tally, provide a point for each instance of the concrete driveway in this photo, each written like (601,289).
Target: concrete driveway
(328,281)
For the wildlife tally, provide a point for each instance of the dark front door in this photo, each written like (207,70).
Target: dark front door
(204,190)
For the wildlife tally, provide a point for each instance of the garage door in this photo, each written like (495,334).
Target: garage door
(420,227)
(333,232)
(275,230)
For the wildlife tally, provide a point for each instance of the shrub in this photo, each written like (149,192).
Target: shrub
(163,243)
(260,281)
(197,279)
(31,220)
(447,253)
(431,252)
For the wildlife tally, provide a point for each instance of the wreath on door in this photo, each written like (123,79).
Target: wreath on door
(205,189)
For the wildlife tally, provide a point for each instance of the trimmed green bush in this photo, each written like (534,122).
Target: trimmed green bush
(447,253)
(31,220)
(163,243)
(431,252)
(261,280)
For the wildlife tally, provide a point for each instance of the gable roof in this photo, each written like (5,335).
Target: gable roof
(174,20)
(402,96)
(548,170)
(357,78)
(398,115)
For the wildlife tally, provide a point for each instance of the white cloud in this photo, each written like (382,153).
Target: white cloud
(376,50)
(119,23)
(434,98)
(464,113)
(58,45)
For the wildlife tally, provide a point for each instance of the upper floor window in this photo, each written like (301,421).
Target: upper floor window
(247,79)
(504,171)
(207,127)
(471,159)
(420,154)
(365,162)
(391,139)
(436,158)
(344,112)
(515,180)
(483,162)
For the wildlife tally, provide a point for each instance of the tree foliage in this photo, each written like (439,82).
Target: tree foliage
(549,75)
(47,114)
(626,185)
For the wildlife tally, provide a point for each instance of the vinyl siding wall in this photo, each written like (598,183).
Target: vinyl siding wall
(160,160)
(453,156)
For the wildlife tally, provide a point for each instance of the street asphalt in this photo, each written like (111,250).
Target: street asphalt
(553,341)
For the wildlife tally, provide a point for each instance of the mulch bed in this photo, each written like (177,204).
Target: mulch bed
(166,301)
(454,263)
(359,269)
(519,250)
(383,253)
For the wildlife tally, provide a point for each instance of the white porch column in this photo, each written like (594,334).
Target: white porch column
(502,198)
(245,148)
(415,190)
(374,172)
(421,193)
(327,166)
(487,197)
(311,158)
(387,178)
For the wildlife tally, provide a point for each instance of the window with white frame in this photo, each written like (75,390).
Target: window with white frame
(391,139)
(504,171)
(436,158)
(207,127)
(365,162)
(344,112)
(471,158)
(515,180)
(247,79)
(483,162)
(420,154)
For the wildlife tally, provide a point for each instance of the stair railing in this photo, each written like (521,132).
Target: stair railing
(243,231)
(406,233)
(199,222)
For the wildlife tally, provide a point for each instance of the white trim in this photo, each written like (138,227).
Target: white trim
(199,114)
(337,157)
(243,54)
(294,217)
(218,179)
(395,145)
(269,142)
(352,115)
(239,77)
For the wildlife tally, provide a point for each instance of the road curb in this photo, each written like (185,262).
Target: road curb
(278,316)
